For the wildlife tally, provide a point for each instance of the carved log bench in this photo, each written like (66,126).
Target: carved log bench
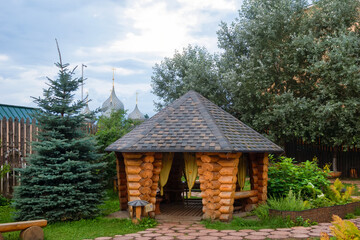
(30,230)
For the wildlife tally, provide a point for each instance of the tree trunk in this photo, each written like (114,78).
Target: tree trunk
(334,159)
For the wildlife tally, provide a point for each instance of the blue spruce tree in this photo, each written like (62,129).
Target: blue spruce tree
(62,180)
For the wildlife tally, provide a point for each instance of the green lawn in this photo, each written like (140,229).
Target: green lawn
(86,228)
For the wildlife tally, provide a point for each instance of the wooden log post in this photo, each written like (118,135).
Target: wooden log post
(141,169)
(121,182)
(155,177)
(217,176)
(258,168)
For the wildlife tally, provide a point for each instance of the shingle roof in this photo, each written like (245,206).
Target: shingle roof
(12,111)
(193,124)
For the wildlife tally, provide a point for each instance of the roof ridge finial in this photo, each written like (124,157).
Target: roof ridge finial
(137,94)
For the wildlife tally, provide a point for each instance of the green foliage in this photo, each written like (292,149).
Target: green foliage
(305,178)
(110,204)
(289,203)
(357,211)
(4,170)
(339,194)
(343,229)
(321,201)
(111,129)
(192,69)
(62,180)
(262,211)
(147,222)
(4,201)
(349,216)
(285,68)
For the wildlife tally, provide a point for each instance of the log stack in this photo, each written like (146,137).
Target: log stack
(121,182)
(140,171)
(259,174)
(217,176)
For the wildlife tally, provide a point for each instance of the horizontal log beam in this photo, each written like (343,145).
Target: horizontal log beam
(17,226)
(245,194)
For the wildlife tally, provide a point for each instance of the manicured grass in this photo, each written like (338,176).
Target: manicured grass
(86,228)
(240,223)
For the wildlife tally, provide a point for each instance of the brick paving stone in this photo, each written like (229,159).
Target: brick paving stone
(165,231)
(218,234)
(259,233)
(300,227)
(186,237)
(151,229)
(198,234)
(231,238)
(228,231)
(178,229)
(133,235)
(122,238)
(280,232)
(239,234)
(196,228)
(301,236)
(142,238)
(207,238)
(255,237)
(103,238)
(141,232)
(209,230)
(164,238)
(174,234)
(275,236)
(185,231)
(266,230)
(300,231)
(283,229)
(152,235)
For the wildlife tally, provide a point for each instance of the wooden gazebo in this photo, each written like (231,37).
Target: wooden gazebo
(193,124)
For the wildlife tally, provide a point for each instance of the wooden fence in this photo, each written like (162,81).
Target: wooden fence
(15,147)
(347,158)
(16,136)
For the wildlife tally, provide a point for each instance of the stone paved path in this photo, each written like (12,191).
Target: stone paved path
(177,230)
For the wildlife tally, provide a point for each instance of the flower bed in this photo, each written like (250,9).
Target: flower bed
(319,215)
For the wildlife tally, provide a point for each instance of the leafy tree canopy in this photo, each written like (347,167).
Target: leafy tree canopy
(286,68)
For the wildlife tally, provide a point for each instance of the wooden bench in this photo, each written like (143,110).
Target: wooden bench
(30,230)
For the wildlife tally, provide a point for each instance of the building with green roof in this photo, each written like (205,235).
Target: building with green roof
(13,111)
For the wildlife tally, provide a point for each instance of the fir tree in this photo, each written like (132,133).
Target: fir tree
(62,179)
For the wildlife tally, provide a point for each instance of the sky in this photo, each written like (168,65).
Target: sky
(128,35)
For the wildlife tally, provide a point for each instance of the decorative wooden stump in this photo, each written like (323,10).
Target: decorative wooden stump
(217,176)
(32,233)
(142,172)
(121,182)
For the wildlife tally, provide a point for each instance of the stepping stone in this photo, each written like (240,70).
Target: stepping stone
(255,237)
(280,233)
(277,236)
(232,238)
(300,236)
(239,234)
(103,238)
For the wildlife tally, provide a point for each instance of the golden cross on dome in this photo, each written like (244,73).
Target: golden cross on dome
(114,69)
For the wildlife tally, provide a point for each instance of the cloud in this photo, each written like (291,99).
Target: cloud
(4,58)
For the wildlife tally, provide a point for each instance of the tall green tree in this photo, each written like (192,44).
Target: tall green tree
(111,129)
(192,69)
(62,179)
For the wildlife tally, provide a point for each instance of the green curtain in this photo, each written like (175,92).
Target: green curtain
(191,170)
(165,170)
(241,171)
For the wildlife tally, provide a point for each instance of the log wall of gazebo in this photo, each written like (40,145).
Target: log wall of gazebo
(138,177)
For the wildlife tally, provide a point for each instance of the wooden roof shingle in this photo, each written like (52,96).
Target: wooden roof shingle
(192,123)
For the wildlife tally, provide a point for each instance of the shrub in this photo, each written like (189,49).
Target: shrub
(339,194)
(305,178)
(342,230)
(289,203)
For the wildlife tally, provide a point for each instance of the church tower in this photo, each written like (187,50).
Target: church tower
(112,103)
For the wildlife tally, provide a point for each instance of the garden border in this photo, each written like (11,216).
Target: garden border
(319,215)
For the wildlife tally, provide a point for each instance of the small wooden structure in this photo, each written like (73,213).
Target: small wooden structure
(193,124)
(30,230)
